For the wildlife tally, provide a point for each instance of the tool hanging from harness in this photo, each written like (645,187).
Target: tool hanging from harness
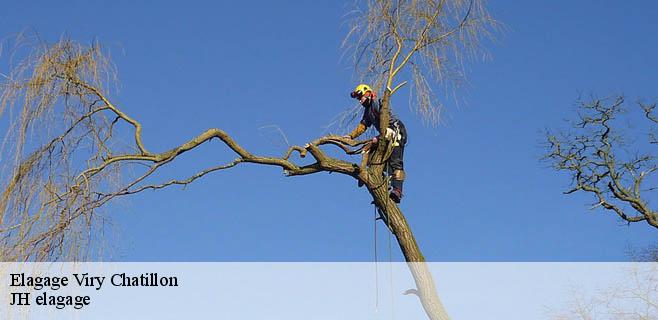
(394,134)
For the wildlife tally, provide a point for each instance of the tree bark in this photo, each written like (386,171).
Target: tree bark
(395,220)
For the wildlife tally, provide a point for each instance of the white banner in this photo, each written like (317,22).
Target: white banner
(307,290)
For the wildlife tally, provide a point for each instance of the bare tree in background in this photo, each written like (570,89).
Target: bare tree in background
(606,162)
(634,299)
(644,254)
(65,160)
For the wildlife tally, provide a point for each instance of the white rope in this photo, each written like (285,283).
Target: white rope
(376,266)
(390,264)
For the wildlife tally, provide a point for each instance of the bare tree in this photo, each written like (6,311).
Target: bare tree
(643,254)
(68,161)
(604,161)
(634,299)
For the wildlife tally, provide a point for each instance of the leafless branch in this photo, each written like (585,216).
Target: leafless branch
(593,155)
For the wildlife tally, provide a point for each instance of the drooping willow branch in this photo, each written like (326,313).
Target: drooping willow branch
(428,39)
(54,187)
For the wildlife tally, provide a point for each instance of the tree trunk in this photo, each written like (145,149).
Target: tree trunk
(425,288)
(396,222)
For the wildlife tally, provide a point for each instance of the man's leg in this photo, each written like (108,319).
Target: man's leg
(396,172)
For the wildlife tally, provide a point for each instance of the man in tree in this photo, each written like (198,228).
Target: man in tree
(395,131)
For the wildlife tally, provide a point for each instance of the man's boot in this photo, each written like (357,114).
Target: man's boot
(396,185)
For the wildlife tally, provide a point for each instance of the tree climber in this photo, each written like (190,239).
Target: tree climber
(395,132)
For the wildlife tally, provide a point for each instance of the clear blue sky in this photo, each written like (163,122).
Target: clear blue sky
(475,190)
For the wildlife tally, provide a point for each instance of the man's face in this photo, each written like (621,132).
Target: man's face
(366,99)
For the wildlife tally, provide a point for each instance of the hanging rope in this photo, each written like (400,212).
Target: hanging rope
(390,247)
(390,265)
(383,215)
(376,266)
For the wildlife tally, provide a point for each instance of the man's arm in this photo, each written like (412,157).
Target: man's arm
(360,129)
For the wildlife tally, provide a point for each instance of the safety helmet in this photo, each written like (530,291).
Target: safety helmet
(360,90)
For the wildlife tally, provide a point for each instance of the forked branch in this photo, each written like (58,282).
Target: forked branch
(596,157)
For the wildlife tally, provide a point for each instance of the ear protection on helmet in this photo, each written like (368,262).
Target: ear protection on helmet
(360,91)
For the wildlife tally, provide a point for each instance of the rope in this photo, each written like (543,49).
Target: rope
(390,264)
(376,266)
(384,216)
(390,248)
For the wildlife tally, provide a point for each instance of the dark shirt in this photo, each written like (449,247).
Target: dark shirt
(371,115)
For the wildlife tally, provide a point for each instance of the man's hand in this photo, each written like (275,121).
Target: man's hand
(368,146)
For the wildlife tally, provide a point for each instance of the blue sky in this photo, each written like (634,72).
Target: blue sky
(476,190)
